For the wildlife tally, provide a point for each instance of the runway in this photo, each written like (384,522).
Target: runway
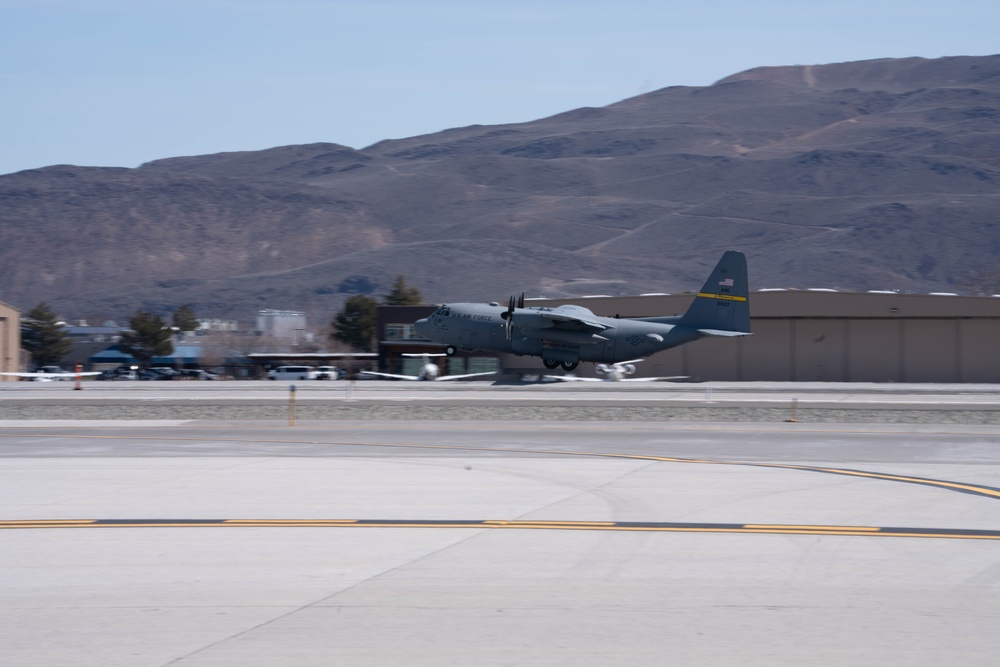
(497,542)
(475,401)
(373,392)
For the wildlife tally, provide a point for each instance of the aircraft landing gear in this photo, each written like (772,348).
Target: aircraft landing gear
(551,364)
(569,366)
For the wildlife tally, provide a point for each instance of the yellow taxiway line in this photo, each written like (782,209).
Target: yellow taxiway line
(501,524)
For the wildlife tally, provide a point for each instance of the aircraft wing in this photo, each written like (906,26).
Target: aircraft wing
(570,378)
(439,378)
(391,376)
(575,317)
(574,378)
(442,378)
(52,376)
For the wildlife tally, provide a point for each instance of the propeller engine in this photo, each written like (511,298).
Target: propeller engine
(508,315)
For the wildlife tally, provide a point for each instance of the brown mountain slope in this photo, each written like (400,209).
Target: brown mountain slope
(878,174)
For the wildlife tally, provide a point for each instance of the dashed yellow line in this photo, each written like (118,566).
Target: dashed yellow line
(502,524)
(753,526)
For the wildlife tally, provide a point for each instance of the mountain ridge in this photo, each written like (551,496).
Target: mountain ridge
(881,174)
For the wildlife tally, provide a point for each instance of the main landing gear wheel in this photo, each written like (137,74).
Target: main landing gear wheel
(567,366)
(450,350)
(550,364)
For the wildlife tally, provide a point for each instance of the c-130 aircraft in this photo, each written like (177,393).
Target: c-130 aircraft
(566,335)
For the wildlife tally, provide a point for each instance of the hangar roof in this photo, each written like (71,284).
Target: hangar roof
(802,303)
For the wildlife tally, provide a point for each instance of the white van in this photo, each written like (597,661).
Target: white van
(327,373)
(292,373)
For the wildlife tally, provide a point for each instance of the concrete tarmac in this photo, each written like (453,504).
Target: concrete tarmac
(495,542)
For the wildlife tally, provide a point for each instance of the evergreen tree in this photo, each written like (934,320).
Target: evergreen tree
(148,337)
(356,323)
(401,295)
(184,319)
(43,337)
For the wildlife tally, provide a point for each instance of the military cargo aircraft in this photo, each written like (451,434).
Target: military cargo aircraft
(566,335)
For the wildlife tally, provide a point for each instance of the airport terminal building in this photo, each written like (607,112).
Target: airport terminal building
(799,336)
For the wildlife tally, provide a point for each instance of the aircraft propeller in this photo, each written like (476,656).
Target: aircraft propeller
(508,315)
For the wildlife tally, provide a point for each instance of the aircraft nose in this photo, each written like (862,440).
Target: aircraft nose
(423,327)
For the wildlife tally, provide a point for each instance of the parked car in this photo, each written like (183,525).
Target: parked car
(197,374)
(292,373)
(327,373)
(158,373)
(150,374)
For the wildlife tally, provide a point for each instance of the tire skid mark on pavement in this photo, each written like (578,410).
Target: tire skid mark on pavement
(973,489)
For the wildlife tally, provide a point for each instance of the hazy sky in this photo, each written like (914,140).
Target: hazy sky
(122,82)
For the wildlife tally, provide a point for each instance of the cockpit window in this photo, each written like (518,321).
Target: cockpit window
(444,311)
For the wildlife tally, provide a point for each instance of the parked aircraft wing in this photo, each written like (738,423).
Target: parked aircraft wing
(574,378)
(391,376)
(442,378)
(439,378)
(50,376)
(570,378)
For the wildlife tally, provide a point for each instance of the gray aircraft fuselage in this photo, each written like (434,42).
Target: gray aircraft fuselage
(567,335)
(477,326)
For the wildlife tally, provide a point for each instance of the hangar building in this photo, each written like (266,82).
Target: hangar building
(799,336)
(828,336)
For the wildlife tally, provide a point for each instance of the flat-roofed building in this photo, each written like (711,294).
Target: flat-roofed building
(282,324)
(10,341)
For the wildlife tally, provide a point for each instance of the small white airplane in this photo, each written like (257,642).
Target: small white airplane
(428,371)
(49,374)
(616,372)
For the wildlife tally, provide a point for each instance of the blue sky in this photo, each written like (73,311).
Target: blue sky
(122,82)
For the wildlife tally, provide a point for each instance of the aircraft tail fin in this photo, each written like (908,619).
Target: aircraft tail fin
(722,307)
